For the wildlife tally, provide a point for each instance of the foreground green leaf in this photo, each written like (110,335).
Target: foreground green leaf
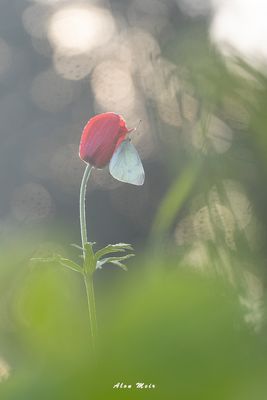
(112,248)
(115,261)
(57,259)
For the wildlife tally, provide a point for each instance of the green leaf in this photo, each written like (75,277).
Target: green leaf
(115,260)
(91,243)
(65,262)
(76,246)
(119,264)
(43,260)
(89,259)
(88,248)
(57,259)
(113,248)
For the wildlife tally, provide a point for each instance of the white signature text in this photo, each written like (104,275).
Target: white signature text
(137,385)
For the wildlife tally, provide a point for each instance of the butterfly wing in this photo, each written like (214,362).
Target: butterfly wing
(126,166)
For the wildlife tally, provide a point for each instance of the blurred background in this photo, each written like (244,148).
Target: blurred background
(190,314)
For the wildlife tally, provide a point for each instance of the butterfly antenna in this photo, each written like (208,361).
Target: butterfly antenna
(135,129)
(139,123)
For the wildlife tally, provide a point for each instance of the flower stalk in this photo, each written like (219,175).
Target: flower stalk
(100,138)
(90,294)
(87,275)
(83,227)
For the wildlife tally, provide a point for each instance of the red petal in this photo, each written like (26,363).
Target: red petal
(100,137)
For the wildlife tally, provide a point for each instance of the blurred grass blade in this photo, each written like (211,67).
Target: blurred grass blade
(175,198)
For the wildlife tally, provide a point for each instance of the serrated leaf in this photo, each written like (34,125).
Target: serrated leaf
(125,245)
(112,248)
(57,259)
(65,262)
(119,264)
(115,260)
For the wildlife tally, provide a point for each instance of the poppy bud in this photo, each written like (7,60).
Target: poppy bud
(101,136)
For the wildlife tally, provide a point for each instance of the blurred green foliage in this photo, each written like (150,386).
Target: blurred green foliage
(189,315)
(181,331)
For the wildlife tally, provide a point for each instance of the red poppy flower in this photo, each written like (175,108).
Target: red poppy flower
(101,136)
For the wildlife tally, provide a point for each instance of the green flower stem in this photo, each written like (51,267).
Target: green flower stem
(88,276)
(89,286)
(86,176)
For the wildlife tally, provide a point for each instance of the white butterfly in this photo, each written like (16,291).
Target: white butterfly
(125,164)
